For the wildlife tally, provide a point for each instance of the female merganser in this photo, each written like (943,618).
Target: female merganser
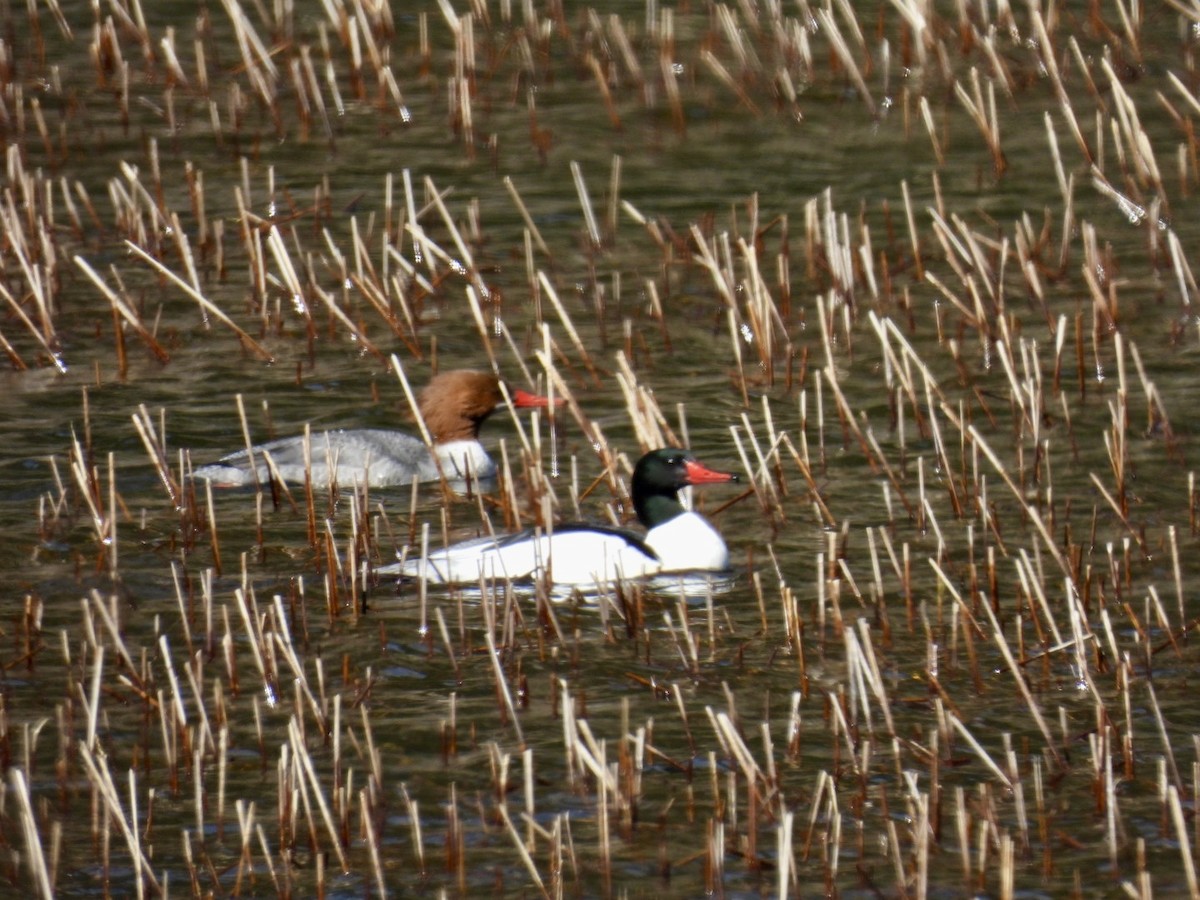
(675,540)
(453,405)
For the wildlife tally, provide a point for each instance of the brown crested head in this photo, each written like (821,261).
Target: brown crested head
(454,404)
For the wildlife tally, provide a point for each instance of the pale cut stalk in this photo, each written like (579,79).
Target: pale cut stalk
(983,755)
(585,202)
(1185,846)
(931,129)
(204,302)
(296,739)
(34,851)
(125,311)
(150,439)
(101,778)
(1116,508)
(550,292)
(530,225)
(842,50)
(502,683)
(718,69)
(1161,726)
(1018,677)
(519,844)
(281,634)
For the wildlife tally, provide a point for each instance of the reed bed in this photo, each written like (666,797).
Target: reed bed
(960,637)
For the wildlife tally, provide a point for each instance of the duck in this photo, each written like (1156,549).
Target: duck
(676,540)
(453,406)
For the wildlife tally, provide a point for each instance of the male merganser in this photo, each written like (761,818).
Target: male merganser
(453,405)
(577,554)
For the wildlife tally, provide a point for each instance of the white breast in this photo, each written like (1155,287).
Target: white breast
(686,542)
(465,459)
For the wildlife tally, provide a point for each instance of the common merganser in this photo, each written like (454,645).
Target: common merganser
(453,405)
(676,540)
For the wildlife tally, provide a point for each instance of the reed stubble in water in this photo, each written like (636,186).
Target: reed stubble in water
(958,562)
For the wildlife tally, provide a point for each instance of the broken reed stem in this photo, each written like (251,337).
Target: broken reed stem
(1023,688)
(204,302)
(530,225)
(502,685)
(33,842)
(585,202)
(522,852)
(101,779)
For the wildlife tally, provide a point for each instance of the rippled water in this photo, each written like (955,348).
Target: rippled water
(948,755)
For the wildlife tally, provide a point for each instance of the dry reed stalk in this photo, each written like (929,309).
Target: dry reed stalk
(530,225)
(465,265)
(1137,144)
(873,674)
(1002,643)
(501,683)
(806,471)
(1161,727)
(24,245)
(734,747)
(558,388)
(585,203)
(761,482)
(282,638)
(156,449)
(339,313)
(666,65)
(256,59)
(723,75)
(1116,508)
(931,129)
(481,327)
(650,425)
(914,235)
(46,340)
(984,116)
(1049,60)
(1033,585)
(522,852)
(549,291)
(372,842)
(101,779)
(412,809)
(597,70)
(978,441)
(1185,846)
(300,752)
(620,38)
(842,50)
(203,301)
(248,608)
(614,200)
